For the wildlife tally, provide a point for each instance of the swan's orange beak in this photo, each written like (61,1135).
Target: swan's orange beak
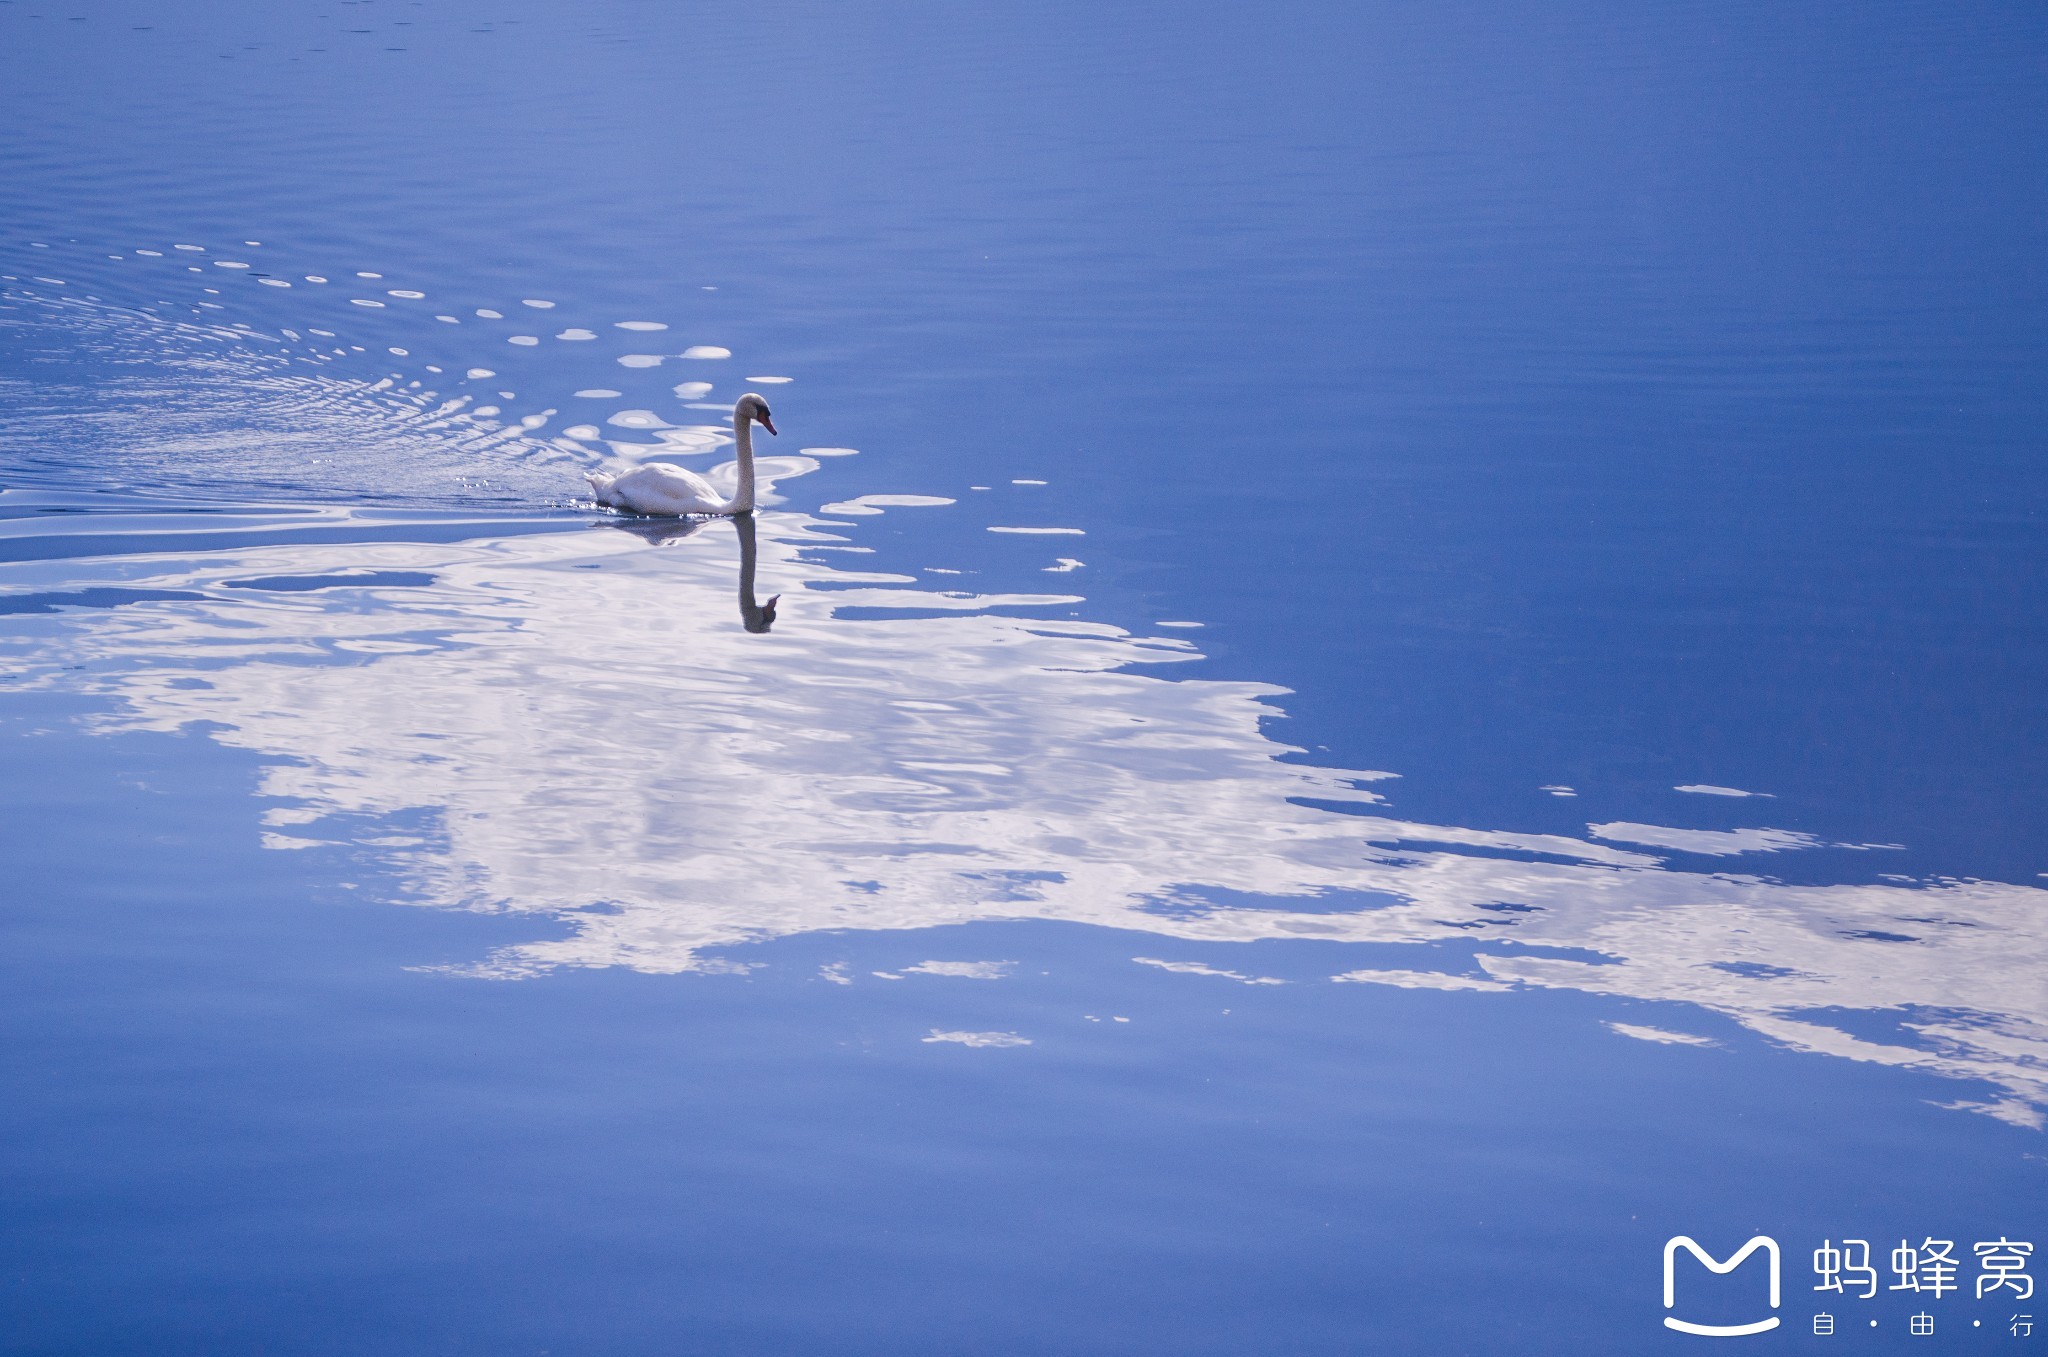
(767,423)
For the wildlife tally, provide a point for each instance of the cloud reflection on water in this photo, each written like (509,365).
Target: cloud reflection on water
(571,725)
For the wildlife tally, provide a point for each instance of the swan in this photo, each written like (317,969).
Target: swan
(671,491)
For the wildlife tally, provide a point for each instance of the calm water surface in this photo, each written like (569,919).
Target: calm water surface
(1405,658)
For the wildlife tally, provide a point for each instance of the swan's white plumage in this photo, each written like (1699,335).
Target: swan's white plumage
(659,488)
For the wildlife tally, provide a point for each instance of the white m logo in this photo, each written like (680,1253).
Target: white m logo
(1671,1247)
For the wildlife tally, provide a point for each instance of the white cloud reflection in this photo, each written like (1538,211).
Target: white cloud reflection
(1659,1035)
(1710,842)
(1200,968)
(1420,980)
(573,725)
(978,1038)
(962,970)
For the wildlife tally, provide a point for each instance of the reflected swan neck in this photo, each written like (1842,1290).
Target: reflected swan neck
(754,615)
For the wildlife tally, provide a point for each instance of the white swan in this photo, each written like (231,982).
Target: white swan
(671,491)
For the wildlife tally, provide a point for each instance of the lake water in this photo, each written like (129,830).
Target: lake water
(1406,659)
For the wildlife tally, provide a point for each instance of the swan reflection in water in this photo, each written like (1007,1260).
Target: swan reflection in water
(755,616)
(944,758)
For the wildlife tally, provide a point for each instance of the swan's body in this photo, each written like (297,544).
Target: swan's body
(670,491)
(660,488)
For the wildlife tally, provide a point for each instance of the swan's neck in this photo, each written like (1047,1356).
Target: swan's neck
(743,433)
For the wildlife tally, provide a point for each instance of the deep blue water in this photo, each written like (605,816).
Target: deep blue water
(1409,662)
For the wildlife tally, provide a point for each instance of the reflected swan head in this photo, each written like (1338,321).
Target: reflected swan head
(750,408)
(759,617)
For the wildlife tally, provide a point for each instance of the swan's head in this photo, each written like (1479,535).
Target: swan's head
(751,408)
